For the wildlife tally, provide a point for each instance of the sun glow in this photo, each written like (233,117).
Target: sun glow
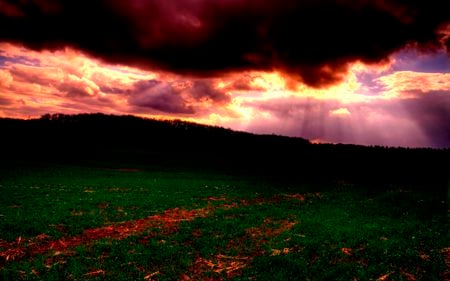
(369,98)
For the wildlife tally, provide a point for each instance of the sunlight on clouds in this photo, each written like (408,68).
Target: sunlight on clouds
(407,84)
(5,78)
(351,89)
(63,81)
(340,112)
(378,68)
(270,82)
(70,72)
(245,114)
(367,107)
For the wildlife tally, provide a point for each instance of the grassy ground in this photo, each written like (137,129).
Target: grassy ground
(128,223)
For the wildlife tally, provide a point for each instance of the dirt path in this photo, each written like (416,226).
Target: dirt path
(167,221)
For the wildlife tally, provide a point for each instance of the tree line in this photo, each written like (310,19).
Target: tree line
(101,137)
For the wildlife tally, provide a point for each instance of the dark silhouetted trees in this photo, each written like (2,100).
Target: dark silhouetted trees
(100,137)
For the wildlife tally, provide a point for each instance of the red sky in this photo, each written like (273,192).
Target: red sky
(238,64)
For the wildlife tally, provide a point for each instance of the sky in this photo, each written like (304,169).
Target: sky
(371,72)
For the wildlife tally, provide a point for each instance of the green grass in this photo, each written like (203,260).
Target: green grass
(347,232)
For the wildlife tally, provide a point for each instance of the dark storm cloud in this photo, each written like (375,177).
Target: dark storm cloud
(245,83)
(159,96)
(178,97)
(201,90)
(313,39)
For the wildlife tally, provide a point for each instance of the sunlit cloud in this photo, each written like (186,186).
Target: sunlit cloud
(376,104)
(340,112)
(409,84)
(62,81)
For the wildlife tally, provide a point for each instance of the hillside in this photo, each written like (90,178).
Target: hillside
(124,139)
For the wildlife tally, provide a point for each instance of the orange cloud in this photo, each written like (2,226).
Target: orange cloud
(409,84)
(372,105)
(71,82)
(62,81)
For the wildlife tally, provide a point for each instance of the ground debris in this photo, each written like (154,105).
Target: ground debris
(404,275)
(347,251)
(408,276)
(13,254)
(276,252)
(219,265)
(149,276)
(13,250)
(297,196)
(385,277)
(168,221)
(214,198)
(95,273)
(424,256)
(232,266)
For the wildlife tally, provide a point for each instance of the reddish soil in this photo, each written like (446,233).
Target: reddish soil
(168,221)
(231,266)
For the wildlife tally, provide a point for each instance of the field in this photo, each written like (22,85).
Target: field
(97,222)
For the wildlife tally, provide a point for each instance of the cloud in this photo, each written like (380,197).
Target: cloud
(373,105)
(312,40)
(63,81)
(76,86)
(432,113)
(413,60)
(54,78)
(177,97)
(410,84)
(5,101)
(5,78)
(342,111)
(10,9)
(159,96)
(384,122)
(69,80)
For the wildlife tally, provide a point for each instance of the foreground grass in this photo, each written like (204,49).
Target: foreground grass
(249,229)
